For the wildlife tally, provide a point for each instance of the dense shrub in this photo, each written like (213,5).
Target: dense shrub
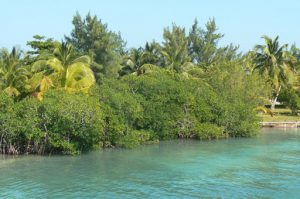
(163,98)
(174,104)
(207,131)
(121,109)
(136,109)
(62,122)
(290,98)
(134,139)
(71,122)
(10,126)
(238,94)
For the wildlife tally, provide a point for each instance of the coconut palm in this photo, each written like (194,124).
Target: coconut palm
(132,62)
(295,54)
(64,69)
(138,57)
(175,48)
(273,61)
(13,76)
(152,54)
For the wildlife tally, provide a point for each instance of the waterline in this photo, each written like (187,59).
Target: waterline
(264,166)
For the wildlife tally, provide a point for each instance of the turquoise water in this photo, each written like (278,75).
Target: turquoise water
(267,166)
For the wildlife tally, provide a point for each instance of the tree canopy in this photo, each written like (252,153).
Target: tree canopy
(90,36)
(89,91)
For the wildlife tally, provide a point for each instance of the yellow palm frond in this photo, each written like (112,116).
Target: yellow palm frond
(79,77)
(56,65)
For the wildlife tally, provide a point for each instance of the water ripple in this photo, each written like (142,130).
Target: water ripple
(267,166)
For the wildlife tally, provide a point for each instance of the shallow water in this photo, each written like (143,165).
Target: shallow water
(267,166)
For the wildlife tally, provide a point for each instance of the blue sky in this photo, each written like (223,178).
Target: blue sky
(243,22)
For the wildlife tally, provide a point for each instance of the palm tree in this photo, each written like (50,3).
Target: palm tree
(294,52)
(13,76)
(64,69)
(273,61)
(132,61)
(175,48)
(152,54)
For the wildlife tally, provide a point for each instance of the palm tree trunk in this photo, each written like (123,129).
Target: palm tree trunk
(275,99)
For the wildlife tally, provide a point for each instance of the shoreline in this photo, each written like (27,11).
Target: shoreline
(281,124)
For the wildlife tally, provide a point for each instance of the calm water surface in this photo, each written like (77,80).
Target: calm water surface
(267,166)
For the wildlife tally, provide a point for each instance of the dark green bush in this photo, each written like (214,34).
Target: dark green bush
(71,122)
(18,124)
(61,123)
(166,101)
(208,131)
(290,98)
(121,109)
(134,110)
(238,95)
(174,104)
(134,139)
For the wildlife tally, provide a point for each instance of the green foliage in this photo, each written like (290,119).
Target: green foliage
(121,109)
(134,59)
(132,62)
(163,98)
(73,122)
(175,47)
(134,110)
(291,99)
(239,94)
(90,36)
(175,104)
(134,139)
(13,75)
(186,87)
(207,131)
(203,45)
(41,48)
(152,54)
(276,63)
(63,69)
(18,124)
(62,123)
(270,60)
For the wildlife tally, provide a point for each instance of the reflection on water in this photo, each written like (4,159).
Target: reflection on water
(264,166)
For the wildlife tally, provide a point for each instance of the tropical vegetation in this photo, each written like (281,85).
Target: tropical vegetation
(90,92)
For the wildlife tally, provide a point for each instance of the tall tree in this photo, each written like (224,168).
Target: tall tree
(295,53)
(152,54)
(91,36)
(132,61)
(273,61)
(203,45)
(175,47)
(41,47)
(137,57)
